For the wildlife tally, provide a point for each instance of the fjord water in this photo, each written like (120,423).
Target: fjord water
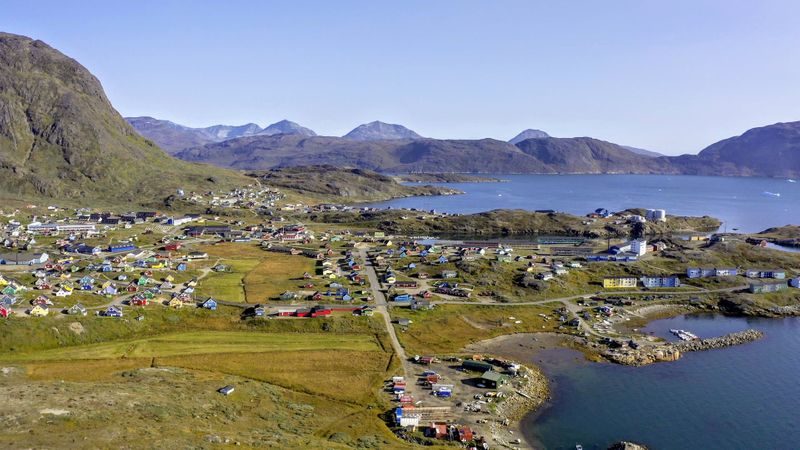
(745,203)
(743,397)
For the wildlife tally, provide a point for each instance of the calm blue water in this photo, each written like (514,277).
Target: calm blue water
(744,397)
(740,202)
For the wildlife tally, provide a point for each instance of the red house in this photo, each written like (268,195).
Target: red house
(437,430)
(465,434)
(317,312)
(4,312)
(139,301)
(172,247)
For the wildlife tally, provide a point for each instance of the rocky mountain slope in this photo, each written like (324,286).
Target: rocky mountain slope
(287,127)
(643,152)
(541,155)
(380,131)
(174,137)
(771,151)
(528,134)
(60,137)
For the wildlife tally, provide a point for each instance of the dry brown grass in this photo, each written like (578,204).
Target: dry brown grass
(275,274)
(351,376)
(450,328)
(86,370)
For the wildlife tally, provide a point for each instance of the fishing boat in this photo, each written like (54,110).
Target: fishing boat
(772,194)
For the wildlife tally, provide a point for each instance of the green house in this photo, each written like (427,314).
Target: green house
(493,380)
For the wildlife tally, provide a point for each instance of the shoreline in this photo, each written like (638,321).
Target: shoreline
(525,347)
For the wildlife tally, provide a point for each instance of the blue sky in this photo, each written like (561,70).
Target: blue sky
(668,76)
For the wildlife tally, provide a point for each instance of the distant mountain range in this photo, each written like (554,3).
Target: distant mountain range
(173,137)
(772,151)
(61,138)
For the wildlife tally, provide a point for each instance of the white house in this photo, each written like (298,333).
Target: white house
(639,246)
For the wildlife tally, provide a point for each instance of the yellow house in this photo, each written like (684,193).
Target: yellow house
(169,278)
(3,281)
(39,311)
(619,282)
(176,303)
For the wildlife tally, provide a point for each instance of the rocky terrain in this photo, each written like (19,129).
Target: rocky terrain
(672,351)
(788,236)
(335,185)
(528,134)
(444,178)
(380,131)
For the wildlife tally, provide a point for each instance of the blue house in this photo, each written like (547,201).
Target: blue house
(86,249)
(442,260)
(181,267)
(110,290)
(794,282)
(661,282)
(210,303)
(412,266)
(113,248)
(112,311)
(402,298)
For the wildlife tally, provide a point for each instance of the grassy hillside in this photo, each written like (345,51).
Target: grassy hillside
(60,137)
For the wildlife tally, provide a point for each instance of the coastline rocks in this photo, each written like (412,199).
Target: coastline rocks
(643,356)
(623,445)
(747,306)
(672,352)
(728,340)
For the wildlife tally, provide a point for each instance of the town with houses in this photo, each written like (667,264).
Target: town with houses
(118,265)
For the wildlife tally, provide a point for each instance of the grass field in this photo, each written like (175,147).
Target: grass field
(204,342)
(299,383)
(256,275)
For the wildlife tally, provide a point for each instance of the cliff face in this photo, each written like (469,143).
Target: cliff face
(60,136)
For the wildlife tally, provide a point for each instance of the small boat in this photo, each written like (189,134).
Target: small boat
(578,447)
(791,180)
(684,335)
(772,194)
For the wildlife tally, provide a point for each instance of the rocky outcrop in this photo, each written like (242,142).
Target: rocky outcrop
(728,340)
(672,351)
(643,356)
(623,445)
